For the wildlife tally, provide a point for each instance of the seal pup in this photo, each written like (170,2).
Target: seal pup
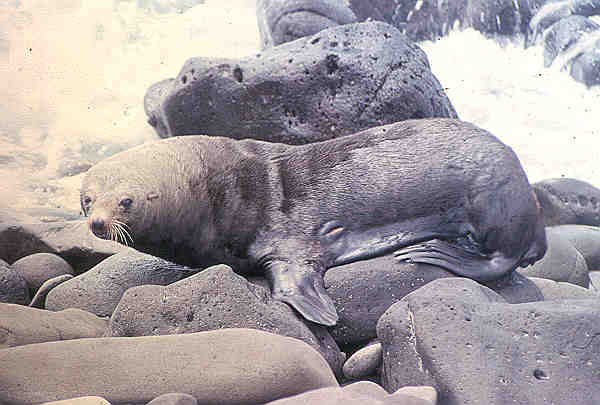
(437,191)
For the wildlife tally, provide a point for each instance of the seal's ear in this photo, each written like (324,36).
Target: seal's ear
(152,196)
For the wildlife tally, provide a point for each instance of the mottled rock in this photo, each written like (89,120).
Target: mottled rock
(363,291)
(229,366)
(568,201)
(13,287)
(39,267)
(100,289)
(364,362)
(562,262)
(80,401)
(354,394)
(20,325)
(555,291)
(174,399)
(334,83)
(21,236)
(564,34)
(215,298)
(281,21)
(585,68)
(586,239)
(467,342)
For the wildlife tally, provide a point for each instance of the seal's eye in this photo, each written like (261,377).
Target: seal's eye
(87,200)
(126,202)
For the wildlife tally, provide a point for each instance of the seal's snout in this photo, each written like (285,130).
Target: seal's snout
(98,226)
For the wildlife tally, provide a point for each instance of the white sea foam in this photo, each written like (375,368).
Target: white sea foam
(75,73)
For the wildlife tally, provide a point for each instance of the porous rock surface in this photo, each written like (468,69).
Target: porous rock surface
(21,325)
(331,84)
(100,289)
(568,201)
(473,347)
(229,366)
(215,298)
(13,286)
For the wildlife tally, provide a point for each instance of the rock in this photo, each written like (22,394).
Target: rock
(515,288)
(196,304)
(174,399)
(13,287)
(21,236)
(100,289)
(426,393)
(555,291)
(595,281)
(363,291)
(39,267)
(80,401)
(229,366)
(281,21)
(364,362)
(473,347)
(334,83)
(568,201)
(585,68)
(354,394)
(586,239)
(20,325)
(39,299)
(565,34)
(562,262)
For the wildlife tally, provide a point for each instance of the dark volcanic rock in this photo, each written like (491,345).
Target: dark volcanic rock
(13,286)
(568,201)
(562,261)
(215,298)
(328,85)
(564,34)
(229,366)
(100,289)
(463,339)
(363,291)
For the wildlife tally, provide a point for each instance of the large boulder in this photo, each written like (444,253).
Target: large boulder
(473,347)
(229,366)
(562,261)
(215,298)
(334,83)
(100,289)
(40,267)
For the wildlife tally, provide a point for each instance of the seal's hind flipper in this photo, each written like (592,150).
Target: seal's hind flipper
(302,288)
(459,259)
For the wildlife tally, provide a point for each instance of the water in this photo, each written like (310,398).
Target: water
(74,75)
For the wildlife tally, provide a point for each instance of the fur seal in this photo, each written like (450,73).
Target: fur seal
(437,191)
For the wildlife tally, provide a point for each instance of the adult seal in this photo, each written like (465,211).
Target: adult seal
(437,191)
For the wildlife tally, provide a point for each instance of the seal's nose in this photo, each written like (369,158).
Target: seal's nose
(97,225)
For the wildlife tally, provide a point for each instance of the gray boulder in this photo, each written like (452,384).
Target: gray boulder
(334,83)
(229,366)
(99,290)
(586,239)
(562,262)
(556,291)
(174,399)
(364,362)
(13,287)
(473,347)
(215,298)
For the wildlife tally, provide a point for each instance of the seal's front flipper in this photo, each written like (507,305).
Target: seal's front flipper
(459,258)
(302,287)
